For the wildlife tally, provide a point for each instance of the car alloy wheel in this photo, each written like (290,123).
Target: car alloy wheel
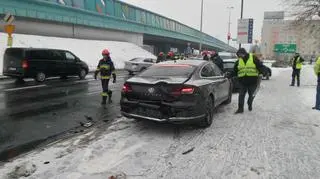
(41,77)
(82,74)
(207,121)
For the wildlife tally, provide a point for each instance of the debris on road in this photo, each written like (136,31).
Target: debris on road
(188,151)
(23,170)
(87,124)
(118,176)
(88,118)
(47,162)
(255,170)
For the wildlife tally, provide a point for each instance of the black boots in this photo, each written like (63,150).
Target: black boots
(239,111)
(104,100)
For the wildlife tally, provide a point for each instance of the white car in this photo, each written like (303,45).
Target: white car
(138,64)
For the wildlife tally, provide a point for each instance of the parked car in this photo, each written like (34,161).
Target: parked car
(39,64)
(179,91)
(139,64)
(228,67)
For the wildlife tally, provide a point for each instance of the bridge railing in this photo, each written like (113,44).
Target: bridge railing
(111,14)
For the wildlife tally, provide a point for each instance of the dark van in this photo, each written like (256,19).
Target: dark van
(42,63)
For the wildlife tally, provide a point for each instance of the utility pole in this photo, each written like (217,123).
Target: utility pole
(229,33)
(241,17)
(201,23)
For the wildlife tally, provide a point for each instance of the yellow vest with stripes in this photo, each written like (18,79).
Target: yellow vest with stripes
(247,69)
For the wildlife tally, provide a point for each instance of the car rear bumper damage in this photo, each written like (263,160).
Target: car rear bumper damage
(162,112)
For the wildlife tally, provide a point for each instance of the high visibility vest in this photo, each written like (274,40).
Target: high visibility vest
(247,69)
(298,64)
(317,67)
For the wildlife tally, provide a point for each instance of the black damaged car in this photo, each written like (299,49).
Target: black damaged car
(180,91)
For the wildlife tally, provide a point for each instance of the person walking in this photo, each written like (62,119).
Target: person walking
(317,72)
(296,64)
(247,69)
(106,69)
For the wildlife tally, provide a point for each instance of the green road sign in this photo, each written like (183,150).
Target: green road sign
(285,48)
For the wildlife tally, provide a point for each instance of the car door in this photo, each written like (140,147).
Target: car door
(225,84)
(207,73)
(57,61)
(71,63)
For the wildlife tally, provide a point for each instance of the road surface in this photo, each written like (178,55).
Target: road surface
(31,113)
(279,139)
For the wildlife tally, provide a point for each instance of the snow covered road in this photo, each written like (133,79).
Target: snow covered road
(279,139)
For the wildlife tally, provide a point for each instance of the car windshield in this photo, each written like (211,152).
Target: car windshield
(168,70)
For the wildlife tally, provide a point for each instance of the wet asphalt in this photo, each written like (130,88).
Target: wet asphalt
(32,113)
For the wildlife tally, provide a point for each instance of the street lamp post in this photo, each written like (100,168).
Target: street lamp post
(229,23)
(241,16)
(201,23)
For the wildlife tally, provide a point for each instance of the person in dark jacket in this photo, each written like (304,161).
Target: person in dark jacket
(216,59)
(106,69)
(247,68)
(296,64)
(205,56)
(160,57)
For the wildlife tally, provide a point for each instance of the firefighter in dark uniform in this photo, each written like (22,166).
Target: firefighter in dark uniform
(106,69)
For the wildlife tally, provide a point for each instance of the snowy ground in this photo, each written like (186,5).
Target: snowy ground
(279,139)
(87,50)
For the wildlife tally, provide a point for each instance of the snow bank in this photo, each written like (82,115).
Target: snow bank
(87,50)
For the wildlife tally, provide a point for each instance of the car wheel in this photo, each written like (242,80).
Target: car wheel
(207,121)
(229,100)
(40,77)
(82,74)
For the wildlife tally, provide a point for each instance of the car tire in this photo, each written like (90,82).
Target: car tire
(229,100)
(40,77)
(82,74)
(207,121)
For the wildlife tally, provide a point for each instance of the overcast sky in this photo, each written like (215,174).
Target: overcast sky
(216,13)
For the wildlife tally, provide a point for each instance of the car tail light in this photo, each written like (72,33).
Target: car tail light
(183,90)
(25,64)
(126,88)
(187,90)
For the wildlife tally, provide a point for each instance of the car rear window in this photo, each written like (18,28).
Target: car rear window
(14,52)
(168,70)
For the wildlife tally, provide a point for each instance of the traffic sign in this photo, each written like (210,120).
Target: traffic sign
(8,18)
(9,29)
(285,48)
(245,31)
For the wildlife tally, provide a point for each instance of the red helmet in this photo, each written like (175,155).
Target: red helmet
(161,54)
(171,54)
(105,52)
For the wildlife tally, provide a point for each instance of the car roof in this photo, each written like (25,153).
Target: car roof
(230,60)
(185,62)
(24,48)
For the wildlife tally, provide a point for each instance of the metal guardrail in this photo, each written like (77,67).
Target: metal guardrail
(111,14)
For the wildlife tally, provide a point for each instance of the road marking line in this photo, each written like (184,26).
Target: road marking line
(27,87)
(84,81)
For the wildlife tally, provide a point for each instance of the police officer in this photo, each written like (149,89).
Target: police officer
(247,68)
(296,64)
(317,72)
(106,69)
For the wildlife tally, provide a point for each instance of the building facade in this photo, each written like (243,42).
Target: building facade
(280,31)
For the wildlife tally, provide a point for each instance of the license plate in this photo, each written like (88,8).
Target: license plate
(12,69)
(149,112)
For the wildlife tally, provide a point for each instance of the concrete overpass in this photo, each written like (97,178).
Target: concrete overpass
(105,20)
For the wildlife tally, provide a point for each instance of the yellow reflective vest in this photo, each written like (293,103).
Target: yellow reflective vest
(317,67)
(247,69)
(298,63)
